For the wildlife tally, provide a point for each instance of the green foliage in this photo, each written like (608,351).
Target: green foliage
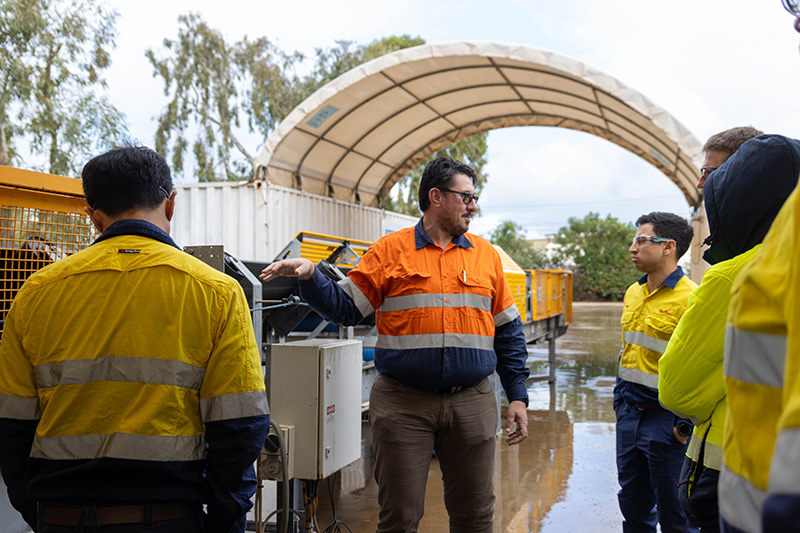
(210,83)
(510,236)
(470,150)
(599,250)
(52,55)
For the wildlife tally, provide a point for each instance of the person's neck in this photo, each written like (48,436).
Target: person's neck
(657,277)
(152,216)
(434,230)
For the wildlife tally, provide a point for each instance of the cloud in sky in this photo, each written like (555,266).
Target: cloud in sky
(712,65)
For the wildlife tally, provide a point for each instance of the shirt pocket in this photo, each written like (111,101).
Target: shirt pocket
(409,294)
(660,326)
(475,296)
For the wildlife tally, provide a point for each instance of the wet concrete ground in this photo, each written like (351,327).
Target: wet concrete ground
(562,479)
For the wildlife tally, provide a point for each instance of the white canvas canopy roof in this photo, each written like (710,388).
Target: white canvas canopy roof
(358,135)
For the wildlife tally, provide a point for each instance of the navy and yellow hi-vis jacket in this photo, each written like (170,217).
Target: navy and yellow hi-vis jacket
(445,318)
(129,373)
(648,320)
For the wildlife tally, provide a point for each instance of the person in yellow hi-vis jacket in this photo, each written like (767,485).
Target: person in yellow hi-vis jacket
(131,391)
(649,455)
(691,383)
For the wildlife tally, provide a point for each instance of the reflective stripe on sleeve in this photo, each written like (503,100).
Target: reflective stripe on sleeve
(123,369)
(754,357)
(696,421)
(740,501)
(416,301)
(638,376)
(238,405)
(784,476)
(120,446)
(18,408)
(712,456)
(506,315)
(693,449)
(645,341)
(361,301)
(456,340)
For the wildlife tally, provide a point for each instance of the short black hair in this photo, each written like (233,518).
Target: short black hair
(440,173)
(670,226)
(124,178)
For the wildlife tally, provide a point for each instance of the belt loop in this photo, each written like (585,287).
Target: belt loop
(147,516)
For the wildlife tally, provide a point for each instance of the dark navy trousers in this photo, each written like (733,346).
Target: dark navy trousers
(649,460)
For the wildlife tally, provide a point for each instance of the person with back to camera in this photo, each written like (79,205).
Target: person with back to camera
(131,389)
(446,320)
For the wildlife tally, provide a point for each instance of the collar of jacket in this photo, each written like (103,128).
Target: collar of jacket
(670,280)
(421,238)
(132,226)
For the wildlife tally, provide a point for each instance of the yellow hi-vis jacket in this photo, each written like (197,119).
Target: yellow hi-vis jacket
(648,320)
(127,353)
(690,380)
(755,347)
(761,475)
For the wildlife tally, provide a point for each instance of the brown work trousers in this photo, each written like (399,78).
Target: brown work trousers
(408,425)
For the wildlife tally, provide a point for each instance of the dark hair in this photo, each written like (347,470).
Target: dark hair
(440,173)
(670,226)
(124,178)
(730,140)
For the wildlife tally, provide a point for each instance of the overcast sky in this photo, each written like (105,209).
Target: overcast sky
(709,63)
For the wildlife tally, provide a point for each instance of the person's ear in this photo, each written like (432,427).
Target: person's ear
(97,218)
(670,247)
(435,196)
(170,205)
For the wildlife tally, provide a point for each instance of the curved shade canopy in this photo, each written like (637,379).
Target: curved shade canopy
(354,138)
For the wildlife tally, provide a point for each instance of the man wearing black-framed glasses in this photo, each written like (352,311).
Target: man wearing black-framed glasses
(446,320)
(719,147)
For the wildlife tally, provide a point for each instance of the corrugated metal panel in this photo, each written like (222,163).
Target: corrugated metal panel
(231,214)
(255,220)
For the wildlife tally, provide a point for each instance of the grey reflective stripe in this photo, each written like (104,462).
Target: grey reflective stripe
(120,446)
(695,421)
(754,357)
(506,315)
(456,340)
(229,406)
(784,476)
(645,341)
(416,301)
(125,369)
(638,376)
(693,449)
(712,456)
(358,297)
(740,501)
(712,453)
(19,408)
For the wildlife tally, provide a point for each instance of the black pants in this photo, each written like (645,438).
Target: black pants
(88,524)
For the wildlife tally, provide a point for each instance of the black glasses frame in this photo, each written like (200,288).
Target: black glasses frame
(466,197)
(705,171)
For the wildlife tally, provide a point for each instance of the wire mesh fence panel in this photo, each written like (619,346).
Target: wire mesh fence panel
(32,238)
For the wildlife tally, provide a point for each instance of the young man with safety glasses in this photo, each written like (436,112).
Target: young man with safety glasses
(649,448)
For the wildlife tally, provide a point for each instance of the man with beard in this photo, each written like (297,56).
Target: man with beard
(446,320)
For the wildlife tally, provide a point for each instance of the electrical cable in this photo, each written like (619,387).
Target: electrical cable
(336,525)
(284,465)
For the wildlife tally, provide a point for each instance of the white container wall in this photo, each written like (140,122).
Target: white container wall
(255,220)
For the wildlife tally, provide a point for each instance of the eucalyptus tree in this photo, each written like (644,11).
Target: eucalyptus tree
(53,54)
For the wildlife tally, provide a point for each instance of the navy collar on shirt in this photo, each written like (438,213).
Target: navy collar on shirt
(670,281)
(421,238)
(133,226)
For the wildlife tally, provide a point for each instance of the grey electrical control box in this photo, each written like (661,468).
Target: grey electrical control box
(316,387)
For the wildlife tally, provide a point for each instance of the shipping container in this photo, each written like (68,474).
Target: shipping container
(255,220)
